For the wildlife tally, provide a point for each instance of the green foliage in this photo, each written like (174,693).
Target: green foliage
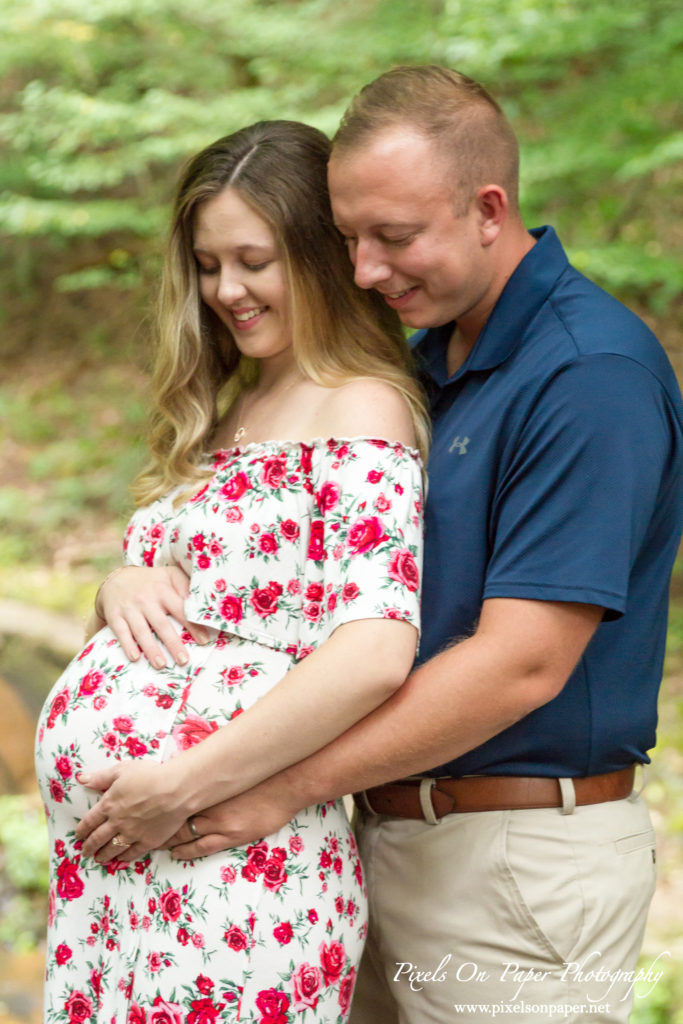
(100,101)
(24,860)
(663,1003)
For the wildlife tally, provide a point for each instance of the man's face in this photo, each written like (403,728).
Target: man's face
(405,231)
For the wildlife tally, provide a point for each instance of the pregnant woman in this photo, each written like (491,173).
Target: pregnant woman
(285,481)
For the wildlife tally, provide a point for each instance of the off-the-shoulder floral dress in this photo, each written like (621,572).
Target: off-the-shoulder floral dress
(283,543)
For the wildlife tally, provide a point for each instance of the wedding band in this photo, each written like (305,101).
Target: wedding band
(193,829)
(121,842)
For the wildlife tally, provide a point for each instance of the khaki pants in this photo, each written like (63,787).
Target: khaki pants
(533,913)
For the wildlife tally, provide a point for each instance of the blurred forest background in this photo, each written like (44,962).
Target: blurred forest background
(100,102)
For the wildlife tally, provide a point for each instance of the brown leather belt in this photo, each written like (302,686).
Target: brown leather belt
(402,799)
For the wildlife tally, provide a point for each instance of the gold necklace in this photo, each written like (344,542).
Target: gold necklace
(243,428)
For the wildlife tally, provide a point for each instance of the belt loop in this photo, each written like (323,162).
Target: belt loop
(568,796)
(367,806)
(635,793)
(426,787)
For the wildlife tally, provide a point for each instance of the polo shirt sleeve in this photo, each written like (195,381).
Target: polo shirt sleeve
(580,480)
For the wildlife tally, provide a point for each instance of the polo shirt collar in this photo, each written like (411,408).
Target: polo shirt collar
(524,294)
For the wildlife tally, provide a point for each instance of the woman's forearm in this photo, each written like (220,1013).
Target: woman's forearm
(361,665)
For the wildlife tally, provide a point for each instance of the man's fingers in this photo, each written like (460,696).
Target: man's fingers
(203,847)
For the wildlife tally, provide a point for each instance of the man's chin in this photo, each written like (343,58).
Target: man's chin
(419,319)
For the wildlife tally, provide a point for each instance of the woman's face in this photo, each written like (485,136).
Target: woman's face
(241,275)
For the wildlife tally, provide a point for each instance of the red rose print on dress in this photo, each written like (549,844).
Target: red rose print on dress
(202,1011)
(283,932)
(306,981)
(236,938)
(136,1015)
(327,497)
(135,747)
(332,960)
(163,1012)
(192,730)
(235,487)
(316,549)
(289,529)
(69,882)
(274,873)
(64,767)
(274,471)
(403,569)
(306,463)
(268,544)
(58,707)
(272,1005)
(231,608)
(124,723)
(90,682)
(233,676)
(350,592)
(314,612)
(346,990)
(79,1008)
(264,600)
(365,534)
(170,904)
(62,953)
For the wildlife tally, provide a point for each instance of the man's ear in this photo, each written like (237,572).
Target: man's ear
(491,202)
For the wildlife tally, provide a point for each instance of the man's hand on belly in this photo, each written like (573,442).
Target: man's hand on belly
(236,822)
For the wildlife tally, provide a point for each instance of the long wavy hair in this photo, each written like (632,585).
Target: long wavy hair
(279,168)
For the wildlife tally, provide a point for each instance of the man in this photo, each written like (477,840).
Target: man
(521,878)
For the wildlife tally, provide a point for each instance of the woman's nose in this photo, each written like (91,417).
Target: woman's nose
(230,288)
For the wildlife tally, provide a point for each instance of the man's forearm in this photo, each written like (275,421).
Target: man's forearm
(454,702)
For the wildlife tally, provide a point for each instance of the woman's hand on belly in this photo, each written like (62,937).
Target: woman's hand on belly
(138,603)
(141,807)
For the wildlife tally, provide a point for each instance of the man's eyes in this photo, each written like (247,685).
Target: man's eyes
(398,241)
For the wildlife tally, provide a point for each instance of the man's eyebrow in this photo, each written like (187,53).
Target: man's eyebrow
(389,226)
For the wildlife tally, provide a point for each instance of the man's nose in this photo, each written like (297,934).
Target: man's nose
(370,266)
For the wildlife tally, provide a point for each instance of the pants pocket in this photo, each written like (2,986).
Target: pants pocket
(545,881)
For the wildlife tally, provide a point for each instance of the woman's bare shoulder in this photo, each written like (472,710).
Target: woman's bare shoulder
(364,407)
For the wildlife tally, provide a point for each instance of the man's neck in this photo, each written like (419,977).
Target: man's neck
(511,251)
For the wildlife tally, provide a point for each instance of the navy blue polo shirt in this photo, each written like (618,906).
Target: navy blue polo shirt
(555,475)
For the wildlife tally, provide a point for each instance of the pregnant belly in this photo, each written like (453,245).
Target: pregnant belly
(103,709)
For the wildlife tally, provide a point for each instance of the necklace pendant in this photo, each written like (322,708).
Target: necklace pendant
(239,434)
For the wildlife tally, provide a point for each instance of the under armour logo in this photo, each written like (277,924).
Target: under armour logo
(460,445)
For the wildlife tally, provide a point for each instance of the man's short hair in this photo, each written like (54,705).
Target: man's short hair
(454,110)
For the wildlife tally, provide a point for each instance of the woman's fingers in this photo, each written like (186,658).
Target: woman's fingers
(99,843)
(140,605)
(121,631)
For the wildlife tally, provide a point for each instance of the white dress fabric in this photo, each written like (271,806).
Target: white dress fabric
(283,543)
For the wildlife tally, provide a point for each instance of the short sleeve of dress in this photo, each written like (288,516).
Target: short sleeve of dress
(364,556)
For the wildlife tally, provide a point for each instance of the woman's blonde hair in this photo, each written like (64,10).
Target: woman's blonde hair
(339,332)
